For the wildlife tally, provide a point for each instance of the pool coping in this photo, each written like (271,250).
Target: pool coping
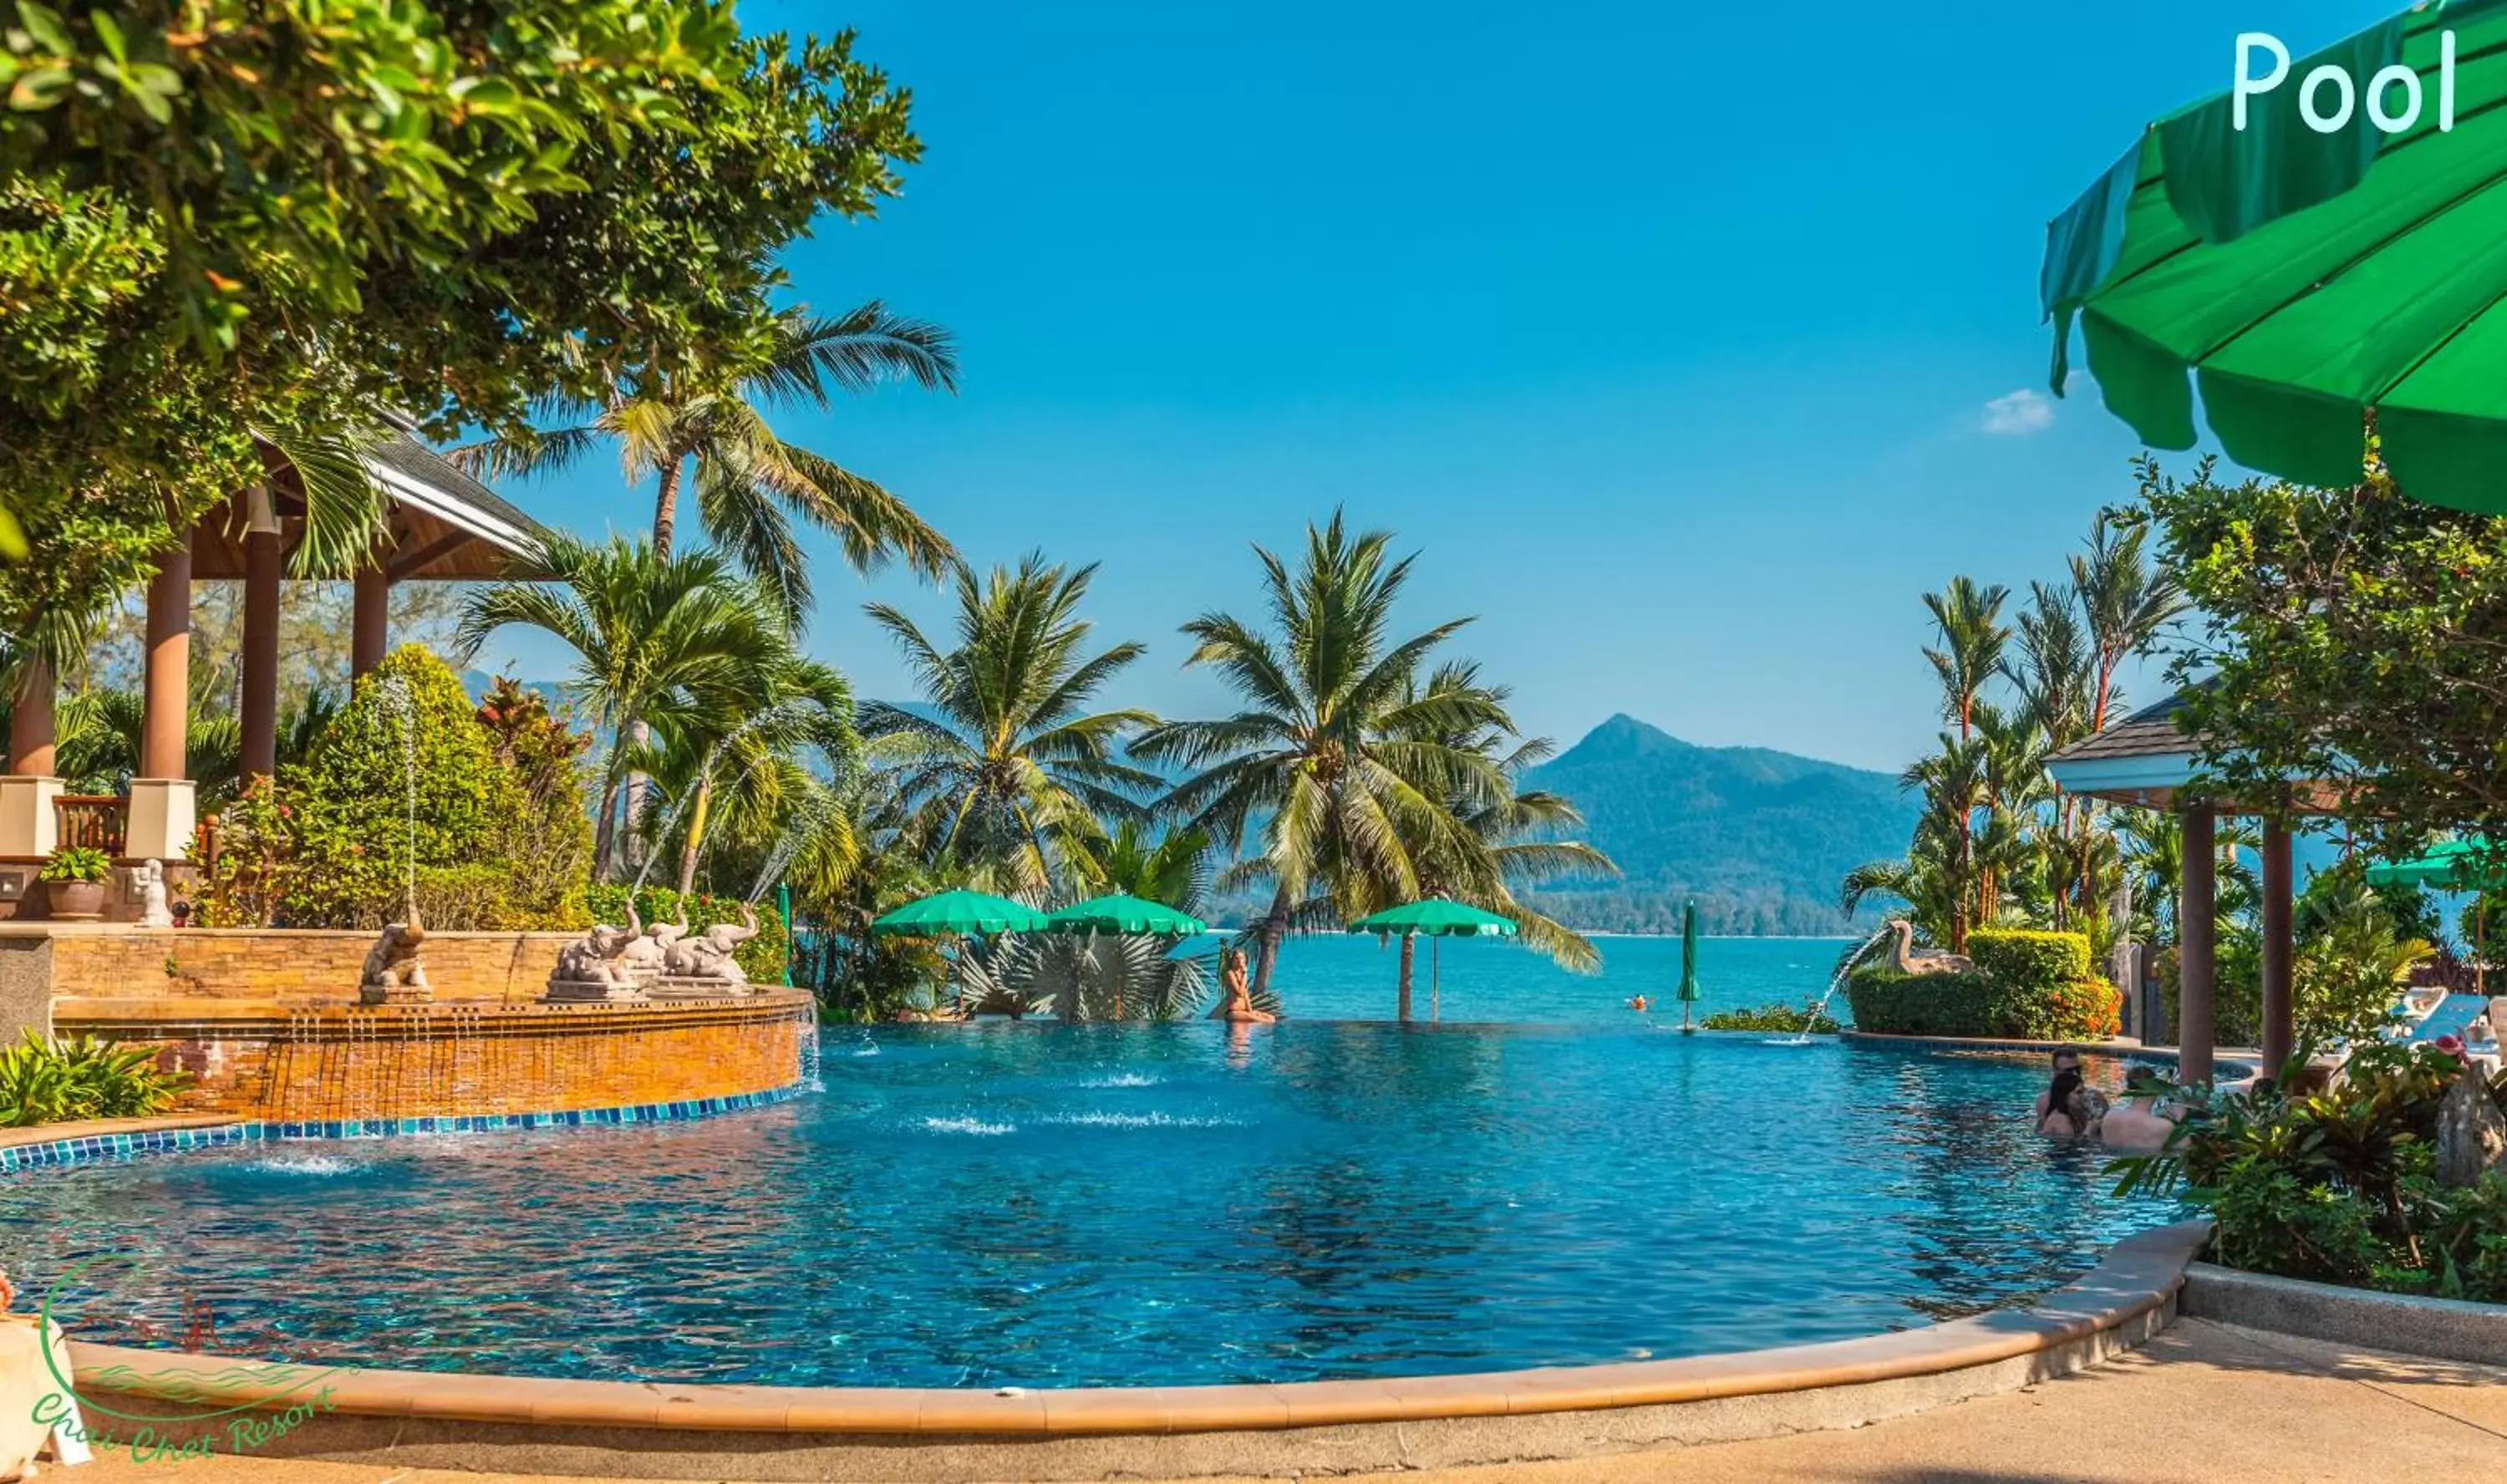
(64,1145)
(2130,1293)
(2240,1059)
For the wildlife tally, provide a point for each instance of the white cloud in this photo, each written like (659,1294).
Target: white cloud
(2019,414)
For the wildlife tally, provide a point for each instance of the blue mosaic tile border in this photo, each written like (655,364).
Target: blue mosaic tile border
(102,1148)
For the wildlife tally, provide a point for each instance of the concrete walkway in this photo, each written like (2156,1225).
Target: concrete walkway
(2203,1402)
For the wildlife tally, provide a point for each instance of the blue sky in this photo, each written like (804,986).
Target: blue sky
(1684,347)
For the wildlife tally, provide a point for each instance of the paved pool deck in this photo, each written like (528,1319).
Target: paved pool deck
(2200,1401)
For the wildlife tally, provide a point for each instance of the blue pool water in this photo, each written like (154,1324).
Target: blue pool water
(1047,1206)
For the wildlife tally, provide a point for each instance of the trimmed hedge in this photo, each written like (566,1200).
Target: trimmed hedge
(2027,986)
(2030,959)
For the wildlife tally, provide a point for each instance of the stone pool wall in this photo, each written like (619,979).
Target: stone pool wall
(293,966)
(336,1063)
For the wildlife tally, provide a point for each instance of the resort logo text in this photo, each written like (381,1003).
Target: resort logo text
(206,1418)
(2329,116)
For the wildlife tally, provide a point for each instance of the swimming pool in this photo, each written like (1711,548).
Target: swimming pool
(1050,1205)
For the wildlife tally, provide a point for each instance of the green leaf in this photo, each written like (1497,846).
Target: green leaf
(109,33)
(39,89)
(45,26)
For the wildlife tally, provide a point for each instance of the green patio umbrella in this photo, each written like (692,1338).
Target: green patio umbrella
(1125,914)
(1688,964)
(2452,865)
(2308,279)
(958,913)
(1436,918)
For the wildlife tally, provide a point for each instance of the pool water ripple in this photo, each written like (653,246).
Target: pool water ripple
(1048,1206)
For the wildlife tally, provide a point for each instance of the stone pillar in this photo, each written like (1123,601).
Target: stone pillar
(2196,950)
(371,626)
(27,826)
(260,652)
(161,802)
(2278,894)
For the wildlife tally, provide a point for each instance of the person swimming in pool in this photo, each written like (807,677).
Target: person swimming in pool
(2069,1108)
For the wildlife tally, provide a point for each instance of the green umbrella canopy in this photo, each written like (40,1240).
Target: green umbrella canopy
(2308,279)
(959,912)
(1436,918)
(1125,914)
(1688,952)
(2451,866)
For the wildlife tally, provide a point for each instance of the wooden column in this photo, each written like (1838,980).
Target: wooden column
(260,652)
(166,701)
(371,620)
(2278,1028)
(2195,949)
(30,723)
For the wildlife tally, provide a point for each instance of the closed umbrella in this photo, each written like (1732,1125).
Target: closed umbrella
(1436,918)
(2305,281)
(958,913)
(1688,965)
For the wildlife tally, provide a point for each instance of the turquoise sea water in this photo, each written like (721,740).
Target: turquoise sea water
(1344,977)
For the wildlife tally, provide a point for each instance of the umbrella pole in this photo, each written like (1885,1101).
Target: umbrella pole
(1435,948)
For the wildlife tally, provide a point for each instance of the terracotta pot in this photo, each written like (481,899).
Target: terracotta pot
(77,901)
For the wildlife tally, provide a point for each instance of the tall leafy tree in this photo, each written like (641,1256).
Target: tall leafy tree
(1012,773)
(2127,602)
(1336,757)
(648,634)
(705,429)
(1967,617)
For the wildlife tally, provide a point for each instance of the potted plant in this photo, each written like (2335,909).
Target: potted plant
(75,877)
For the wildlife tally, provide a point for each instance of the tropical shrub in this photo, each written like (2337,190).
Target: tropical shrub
(2339,1185)
(62,1080)
(77,862)
(2030,960)
(369,792)
(1773,1017)
(1976,1003)
(762,958)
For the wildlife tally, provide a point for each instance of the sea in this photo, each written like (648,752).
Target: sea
(1346,977)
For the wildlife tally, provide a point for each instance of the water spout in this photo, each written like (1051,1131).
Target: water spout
(1845,969)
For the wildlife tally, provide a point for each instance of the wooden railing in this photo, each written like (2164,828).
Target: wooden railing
(94,821)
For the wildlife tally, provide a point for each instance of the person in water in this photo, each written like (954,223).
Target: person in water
(1236,1002)
(1641,1005)
(2069,1108)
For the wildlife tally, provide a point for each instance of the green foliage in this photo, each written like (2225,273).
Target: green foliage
(76,862)
(1975,1003)
(2334,646)
(228,221)
(2336,1186)
(352,796)
(2026,959)
(1773,1017)
(62,1080)
(762,957)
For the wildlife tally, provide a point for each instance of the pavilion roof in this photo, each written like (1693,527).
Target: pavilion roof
(446,525)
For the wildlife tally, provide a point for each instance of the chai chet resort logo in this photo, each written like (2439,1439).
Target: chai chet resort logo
(2328,94)
(86,1414)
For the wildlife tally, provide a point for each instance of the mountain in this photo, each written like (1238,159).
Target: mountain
(1760,838)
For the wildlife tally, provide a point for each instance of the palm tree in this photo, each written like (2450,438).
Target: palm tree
(649,632)
(1507,840)
(1014,774)
(2125,601)
(1967,616)
(1335,751)
(739,761)
(749,482)
(1108,976)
